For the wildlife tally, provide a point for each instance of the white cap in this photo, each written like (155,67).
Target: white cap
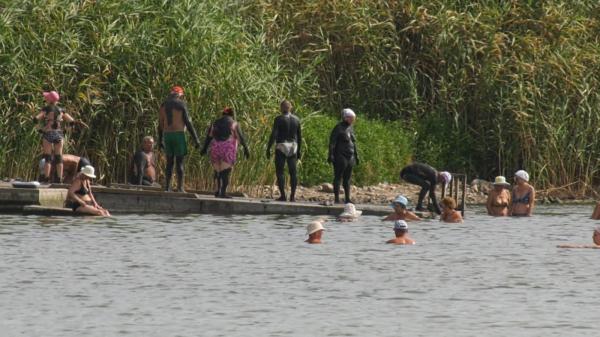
(400,225)
(348,113)
(522,174)
(446,177)
(400,199)
(314,226)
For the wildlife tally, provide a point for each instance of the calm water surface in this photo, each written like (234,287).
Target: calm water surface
(205,275)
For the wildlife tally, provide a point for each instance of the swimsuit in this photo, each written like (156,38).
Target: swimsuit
(53,136)
(522,200)
(175,144)
(74,205)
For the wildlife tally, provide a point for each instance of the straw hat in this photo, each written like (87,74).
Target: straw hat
(314,226)
(88,171)
(350,211)
(500,180)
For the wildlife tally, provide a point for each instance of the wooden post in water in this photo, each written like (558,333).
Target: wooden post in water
(457,186)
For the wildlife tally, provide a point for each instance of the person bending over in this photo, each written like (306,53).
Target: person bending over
(400,212)
(173,120)
(80,197)
(343,154)
(71,166)
(143,166)
(287,136)
(401,232)
(427,177)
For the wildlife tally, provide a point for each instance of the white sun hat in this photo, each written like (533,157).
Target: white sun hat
(350,211)
(314,226)
(88,171)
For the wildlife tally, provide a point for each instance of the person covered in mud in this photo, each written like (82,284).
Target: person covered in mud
(80,197)
(53,118)
(174,120)
(401,232)
(314,230)
(449,212)
(287,136)
(223,136)
(143,167)
(595,239)
(343,154)
(399,205)
(499,199)
(523,195)
(427,178)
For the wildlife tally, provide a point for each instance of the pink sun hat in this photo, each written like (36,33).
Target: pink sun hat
(51,96)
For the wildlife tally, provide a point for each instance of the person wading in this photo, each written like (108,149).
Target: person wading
(172,123)
(343,154)
(223,137)
(287,136)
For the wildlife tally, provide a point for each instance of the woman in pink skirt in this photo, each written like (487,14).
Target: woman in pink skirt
(223,137)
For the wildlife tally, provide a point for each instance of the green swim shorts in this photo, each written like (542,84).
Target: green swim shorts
(175,144)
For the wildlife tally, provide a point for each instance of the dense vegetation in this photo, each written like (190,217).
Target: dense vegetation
(484,87)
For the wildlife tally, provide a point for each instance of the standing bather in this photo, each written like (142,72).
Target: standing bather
(523,195)
(498,201)
(287,136)
(223,137)
(173,120)
(343,154)
(52,134)
(427,177)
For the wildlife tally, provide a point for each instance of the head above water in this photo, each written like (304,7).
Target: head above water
(500,183)
(400,227)
(400,201)
(286,106)
(596,236)
(51,96)
(448,202)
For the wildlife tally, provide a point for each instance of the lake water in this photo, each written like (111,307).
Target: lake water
(205,275)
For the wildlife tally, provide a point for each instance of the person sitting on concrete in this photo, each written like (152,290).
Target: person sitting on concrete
(449,212)
(498,201)
(401,231)
(596,213)
(143,167)
(80,197)
(71,166)
(400,212)
(595,238)
(427,177)
(349,214)
(314,230)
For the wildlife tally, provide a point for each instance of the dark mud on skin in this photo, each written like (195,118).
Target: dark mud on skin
(204,275)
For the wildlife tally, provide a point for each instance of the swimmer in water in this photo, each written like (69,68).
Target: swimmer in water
(498,200)
(350,213)
(523,196)
(343,154)
(427,177)
(400,212)
(596,213)
(80,197)
(222,137)
(287,136)
(314,230)
(595,238)
(53,117)
(401,231)
(449,212)
(174,120)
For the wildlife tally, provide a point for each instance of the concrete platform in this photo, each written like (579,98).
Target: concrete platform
(50,201)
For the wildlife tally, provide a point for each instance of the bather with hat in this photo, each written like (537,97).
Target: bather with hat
(499,199)
(401,233)
(401,212)
(80,197)
(427,178)
(523,195)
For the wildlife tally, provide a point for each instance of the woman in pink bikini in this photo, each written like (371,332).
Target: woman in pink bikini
(223,137)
